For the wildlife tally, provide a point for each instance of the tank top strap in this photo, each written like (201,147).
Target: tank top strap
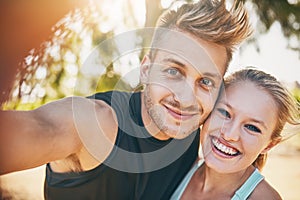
(181,188)
(247,188)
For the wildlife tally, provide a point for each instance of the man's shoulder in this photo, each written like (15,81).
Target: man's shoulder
(118,100)
(108,95)
(96,126)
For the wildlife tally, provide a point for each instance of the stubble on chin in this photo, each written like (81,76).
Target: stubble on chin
(157,115)
(153,111)
(157,118)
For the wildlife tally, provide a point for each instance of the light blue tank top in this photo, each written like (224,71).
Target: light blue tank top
(241,194)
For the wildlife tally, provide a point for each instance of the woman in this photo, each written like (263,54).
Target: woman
(247,121)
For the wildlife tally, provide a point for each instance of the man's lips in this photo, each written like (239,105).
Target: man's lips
(179,114)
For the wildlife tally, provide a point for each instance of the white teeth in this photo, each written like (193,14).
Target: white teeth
(223,148)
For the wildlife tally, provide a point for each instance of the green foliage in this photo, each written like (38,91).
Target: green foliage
(111,81)
(54,71)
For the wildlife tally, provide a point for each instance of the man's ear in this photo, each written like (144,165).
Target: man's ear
(273,143)
(145,69)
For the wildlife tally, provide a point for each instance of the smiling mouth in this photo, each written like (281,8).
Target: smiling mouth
(225,150)
(179,115)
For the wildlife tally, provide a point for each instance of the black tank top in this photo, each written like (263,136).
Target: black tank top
(139,166)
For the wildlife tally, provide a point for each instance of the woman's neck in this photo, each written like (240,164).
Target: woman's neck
(224,182)
(210,184)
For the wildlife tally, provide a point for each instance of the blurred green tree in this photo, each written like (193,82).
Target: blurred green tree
(285,12)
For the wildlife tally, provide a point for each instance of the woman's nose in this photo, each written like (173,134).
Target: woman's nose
(230,131)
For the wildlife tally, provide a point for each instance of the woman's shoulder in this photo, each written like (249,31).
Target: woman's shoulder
(265,191)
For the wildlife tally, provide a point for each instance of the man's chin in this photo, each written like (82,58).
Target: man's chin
(180,134)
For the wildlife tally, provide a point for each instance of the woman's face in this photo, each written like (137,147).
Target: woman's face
(239,128)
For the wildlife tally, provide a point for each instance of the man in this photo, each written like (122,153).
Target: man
(118,145)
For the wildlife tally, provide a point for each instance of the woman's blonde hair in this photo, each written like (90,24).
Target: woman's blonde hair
(210,21)
(288,108)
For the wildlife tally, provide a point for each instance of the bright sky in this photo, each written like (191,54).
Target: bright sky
(274,56)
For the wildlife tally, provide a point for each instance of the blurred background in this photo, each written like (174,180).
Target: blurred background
(45,48)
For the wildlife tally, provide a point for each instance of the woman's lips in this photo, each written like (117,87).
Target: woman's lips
(223,149)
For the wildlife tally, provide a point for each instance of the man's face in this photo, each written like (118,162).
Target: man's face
(182,83)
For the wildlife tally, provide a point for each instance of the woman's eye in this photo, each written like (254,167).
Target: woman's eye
(252,128)
(224,113)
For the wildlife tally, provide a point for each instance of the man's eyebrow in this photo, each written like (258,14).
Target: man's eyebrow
(172,60)
(212,75)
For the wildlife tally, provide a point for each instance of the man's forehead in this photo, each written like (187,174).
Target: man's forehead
(179,43)
(183,46)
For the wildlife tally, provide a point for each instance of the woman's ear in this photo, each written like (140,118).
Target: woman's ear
(145,69)
(273,143)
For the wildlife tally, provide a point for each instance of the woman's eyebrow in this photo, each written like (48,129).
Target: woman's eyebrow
(259,122)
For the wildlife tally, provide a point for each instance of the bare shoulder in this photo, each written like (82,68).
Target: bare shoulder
(265,191)
(73,114)
(96,128)
(106,118)
(74,133)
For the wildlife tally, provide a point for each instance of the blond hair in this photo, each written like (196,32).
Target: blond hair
(288,109)
(210,21)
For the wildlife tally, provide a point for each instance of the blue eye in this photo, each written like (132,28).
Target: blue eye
(224,113)
(252,128)
(206,83)
(172,71)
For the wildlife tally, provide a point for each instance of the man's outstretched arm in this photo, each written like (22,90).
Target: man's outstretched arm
(31,138)
(54,131)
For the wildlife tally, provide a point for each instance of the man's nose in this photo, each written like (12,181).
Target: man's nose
(185,95)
